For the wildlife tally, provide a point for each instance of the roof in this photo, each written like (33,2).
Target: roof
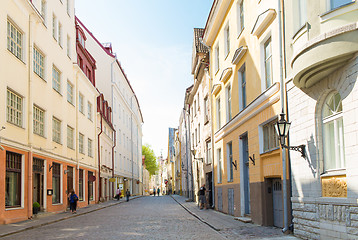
(198,33)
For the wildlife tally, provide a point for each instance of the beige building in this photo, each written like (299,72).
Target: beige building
(45,134)
(322,91)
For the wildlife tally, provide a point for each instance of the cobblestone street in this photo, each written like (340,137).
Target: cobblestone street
(161,217)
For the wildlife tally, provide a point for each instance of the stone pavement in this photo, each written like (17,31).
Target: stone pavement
(230,228)
(44,219)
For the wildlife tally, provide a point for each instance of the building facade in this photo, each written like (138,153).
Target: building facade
(245,73)
(322,90)
(43,137)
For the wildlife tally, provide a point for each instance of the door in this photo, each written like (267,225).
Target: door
(209,187)
(230,198)
(69,182)
(277,203)
(220,199)
(245,177)
(38,181)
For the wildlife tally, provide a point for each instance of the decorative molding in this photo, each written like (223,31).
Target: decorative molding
(239,53)
(226,74)
(216,89)
(262,21)
(334,186)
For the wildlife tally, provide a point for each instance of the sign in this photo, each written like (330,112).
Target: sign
(92,178)
(112,180)
(49,192)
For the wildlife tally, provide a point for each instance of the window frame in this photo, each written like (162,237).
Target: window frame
(242,87)
(218,155)
(38,123)
(70,138)
(218,113)
(81,147)
(217,58)
(227,39)
(228,103)
(56,79)
(268,81)
(39,63)
(17,108)
(15,44)
(269,136)
(12,168)
(56,176)
(81,100)
(90,147)
(230,169)
(56,133)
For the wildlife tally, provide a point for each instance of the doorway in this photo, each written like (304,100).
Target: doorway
(209,187)
(244,175)
(277,202)
(38,181)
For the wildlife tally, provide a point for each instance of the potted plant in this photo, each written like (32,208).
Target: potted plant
(35,207)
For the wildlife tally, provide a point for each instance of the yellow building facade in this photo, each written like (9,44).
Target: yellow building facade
(245,75)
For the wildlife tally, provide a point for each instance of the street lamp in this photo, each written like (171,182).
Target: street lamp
(282,127)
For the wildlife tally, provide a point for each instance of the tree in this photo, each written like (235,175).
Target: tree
(150,159)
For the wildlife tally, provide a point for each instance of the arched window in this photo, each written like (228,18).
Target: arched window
(333,139)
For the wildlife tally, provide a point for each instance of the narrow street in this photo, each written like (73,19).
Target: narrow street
(150,217)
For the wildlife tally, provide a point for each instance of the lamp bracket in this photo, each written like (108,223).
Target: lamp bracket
(235,164)
(252,159)
(50,167)
(301,148)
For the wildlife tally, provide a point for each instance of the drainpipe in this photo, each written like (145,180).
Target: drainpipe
(99,162)
(282,101)
(114,145)
(186,154)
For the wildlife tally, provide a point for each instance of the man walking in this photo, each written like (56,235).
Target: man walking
(128,194)
(202,198)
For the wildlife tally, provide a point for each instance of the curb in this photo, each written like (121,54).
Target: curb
(62,219)
(196,216)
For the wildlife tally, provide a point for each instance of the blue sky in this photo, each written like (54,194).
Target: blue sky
(153,41)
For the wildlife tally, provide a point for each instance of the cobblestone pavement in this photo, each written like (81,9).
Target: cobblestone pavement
(149,217)
(142,218)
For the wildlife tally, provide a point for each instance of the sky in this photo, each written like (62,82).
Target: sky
(153,41)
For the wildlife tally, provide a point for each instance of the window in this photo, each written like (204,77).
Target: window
(333,137)
(90,186)
(270,136)
(242,87)
(89,111)
(90,148)
(39,119)
(218,114)
(56,181)
(227,40)
(68,46)
(80,185)
(199,132)
(43,9)
(195,108)
(208,152)
(70,132)
(14,108)
(119,136)
(240,13)
(56,79)
(338,3)
(268,63)
(230,170)
(14,40)
(300,13)
(69,93)
(217,58)
(219,165)
(60,34)
(196,137)
(80,103)
(228,103)
(13,180)
(206,109)
(54,27)
(80,143)
(39,63)
(56,130)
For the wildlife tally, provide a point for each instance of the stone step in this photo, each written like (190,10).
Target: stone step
(243,219)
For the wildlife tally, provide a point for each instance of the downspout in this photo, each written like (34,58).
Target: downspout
(191,162)
(180,185)
(282,101)
(132,146)
(29,123)
(186,154)
(99,161)
(114,145)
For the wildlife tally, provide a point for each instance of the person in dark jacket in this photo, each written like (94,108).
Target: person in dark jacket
(73,198)
(128,193)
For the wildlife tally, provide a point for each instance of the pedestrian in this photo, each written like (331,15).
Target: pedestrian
(202,199)
(154,191)
(128,194)
(118,193)
(73,198)
(158,191)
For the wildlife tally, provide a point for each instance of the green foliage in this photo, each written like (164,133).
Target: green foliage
(36,205)
(150,159)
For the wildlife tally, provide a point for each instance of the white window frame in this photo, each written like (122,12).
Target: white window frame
(38,121)
(218,113)
(56,130)
(90,147)
(81,147)
(230,169)
(54,27)
(39,63)
(242,87)
(331,7)
(228,103)
(217,58)
(227,39)
(89,110)
(240,16)
(14,109)
(81,100)
(59,39)
(70,92)
(56,79)
(268,136)
(219,157)
(15,40)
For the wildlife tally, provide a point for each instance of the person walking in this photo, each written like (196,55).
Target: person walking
(128,193)
(154,191)
(118,193)
(158,191)
(73,198)
(202,198)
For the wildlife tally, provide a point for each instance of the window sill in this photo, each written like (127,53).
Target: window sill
(71,103)
(40,77)
(242,30)
(327,15)
(14,124)
(206,122)
(336,172)
(40,135)
(57,142)
(19,59)
(269,151)
(57,204)
(57,92)
(227,55)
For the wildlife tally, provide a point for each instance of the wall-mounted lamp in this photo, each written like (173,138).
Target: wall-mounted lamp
(50,167)
(282,127)
(47,149)
(194,152)
(66,171)
(252,159)
(235,164)
(1,147)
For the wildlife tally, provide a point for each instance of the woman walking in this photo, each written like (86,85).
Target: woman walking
(73,198)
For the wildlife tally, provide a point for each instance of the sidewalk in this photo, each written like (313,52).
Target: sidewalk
(228,226)
(47,218)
